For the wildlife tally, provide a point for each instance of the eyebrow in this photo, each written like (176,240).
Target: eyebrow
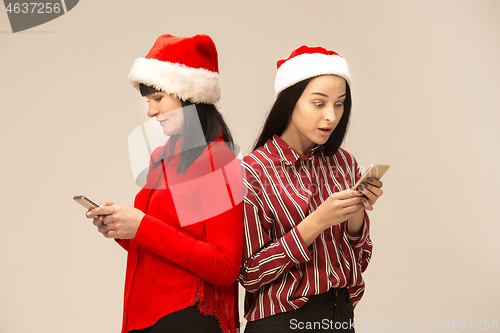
(324,95)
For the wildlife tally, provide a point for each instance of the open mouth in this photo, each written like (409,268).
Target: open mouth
(325,130)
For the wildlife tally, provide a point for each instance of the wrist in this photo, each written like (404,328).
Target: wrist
(316,222)
(310,227)
(355,223)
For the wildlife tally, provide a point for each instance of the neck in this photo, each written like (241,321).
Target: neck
(302,146)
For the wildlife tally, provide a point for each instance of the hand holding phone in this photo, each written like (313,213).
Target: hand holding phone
(374,171)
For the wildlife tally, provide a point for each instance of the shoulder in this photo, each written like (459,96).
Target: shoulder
(221,153)
(215,156)
(344,155)
(344,160)
(259,159)
(156,153)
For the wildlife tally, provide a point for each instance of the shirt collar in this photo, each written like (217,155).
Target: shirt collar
(279,149)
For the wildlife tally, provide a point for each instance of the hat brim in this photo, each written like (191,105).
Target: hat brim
(309,65)
(197,85)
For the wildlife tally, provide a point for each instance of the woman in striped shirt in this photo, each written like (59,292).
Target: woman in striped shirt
(306,232)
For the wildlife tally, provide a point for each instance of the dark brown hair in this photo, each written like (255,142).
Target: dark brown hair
(212,124)
(281,112)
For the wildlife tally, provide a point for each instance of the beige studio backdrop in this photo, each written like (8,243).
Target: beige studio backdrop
(425,100)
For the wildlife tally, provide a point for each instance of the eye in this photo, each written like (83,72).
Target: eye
(158,98)
(318,103)
(339,104)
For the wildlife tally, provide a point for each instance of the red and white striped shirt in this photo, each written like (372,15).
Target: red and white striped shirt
(283,186)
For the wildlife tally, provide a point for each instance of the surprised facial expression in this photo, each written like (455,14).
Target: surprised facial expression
(316,113)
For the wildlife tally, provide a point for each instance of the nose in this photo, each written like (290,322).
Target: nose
(152,110)
(329,114)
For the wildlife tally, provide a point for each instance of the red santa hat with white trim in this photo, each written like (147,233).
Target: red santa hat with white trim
(307,62)
(184,67)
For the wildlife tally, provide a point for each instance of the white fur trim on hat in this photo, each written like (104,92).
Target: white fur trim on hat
(189,84)
(309,65)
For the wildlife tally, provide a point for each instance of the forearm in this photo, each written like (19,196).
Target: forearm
(123,243)
(273,260)
(169,242)
(217,259)
(310,228)
(355,223)
(212,265)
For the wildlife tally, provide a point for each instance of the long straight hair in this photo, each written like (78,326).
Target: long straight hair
(213,126)
(281,113)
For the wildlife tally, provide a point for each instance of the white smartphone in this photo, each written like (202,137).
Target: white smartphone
(85,202)
(374,171)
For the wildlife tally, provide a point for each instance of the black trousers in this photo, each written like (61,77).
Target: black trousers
(184,321)
(328,312)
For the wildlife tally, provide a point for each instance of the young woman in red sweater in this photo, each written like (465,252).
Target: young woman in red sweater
(184,234)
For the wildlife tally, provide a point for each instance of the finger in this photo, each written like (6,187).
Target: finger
(368,205)
(107,219)
(346,194)
(104,228)
(370,198)
(375,182)
(352,201)
(104,210)
(373,189)
(351,210)
(334,203)
(91,213)
(97,221)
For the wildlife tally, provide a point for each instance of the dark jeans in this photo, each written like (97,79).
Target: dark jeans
(328,312)
(183,321)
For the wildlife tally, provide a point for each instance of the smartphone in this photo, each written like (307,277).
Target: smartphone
(85,202)
(374,171)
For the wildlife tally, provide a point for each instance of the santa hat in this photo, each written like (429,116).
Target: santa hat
(185,67)
(307,62)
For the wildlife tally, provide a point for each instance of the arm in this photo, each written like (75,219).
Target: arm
(202,198)
(123,243)
(210,198)
(358,226)
(265,259)
(218,259)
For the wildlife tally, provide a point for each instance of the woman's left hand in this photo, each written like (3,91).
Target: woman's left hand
(116,221)
(372,190)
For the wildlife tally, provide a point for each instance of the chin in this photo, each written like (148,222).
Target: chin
(322,141)
(170,132)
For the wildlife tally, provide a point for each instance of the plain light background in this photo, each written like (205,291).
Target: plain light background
(425,100)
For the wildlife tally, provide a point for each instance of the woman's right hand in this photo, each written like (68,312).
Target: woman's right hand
(339,207)
(336,209)
(99,220)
